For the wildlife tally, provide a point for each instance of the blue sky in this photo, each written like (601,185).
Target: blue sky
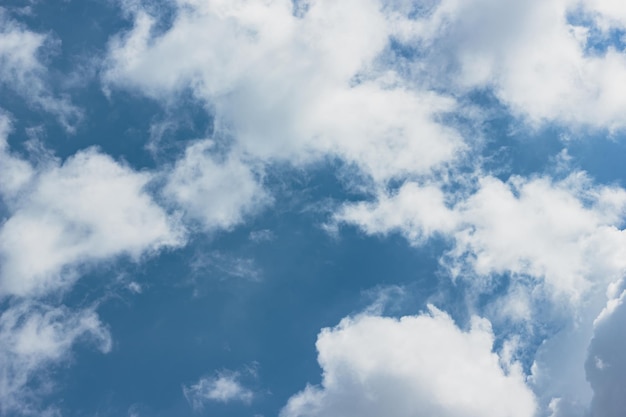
(312,208)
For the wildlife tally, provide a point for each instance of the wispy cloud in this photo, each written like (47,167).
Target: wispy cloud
(222,265)
(35,337)
(23,70)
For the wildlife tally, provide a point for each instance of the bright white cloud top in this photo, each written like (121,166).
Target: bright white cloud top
(63,216)
(407,105)
(413,365)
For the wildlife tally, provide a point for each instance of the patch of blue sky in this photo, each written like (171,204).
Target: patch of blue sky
(598,40)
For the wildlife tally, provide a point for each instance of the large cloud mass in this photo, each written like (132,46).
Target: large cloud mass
(285,85)
(415,365)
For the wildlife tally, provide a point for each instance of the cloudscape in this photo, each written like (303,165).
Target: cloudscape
(313,208)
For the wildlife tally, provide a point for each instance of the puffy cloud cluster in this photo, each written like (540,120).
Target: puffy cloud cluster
(554,60)
(215,191)
(304,81)
(606,364)
(58,220)
(415,365)
(292,86)
(224,387)
(62,216)
(565,233)
(379,85)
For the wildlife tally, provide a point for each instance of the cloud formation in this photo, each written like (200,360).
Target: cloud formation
(564,233)
(389,89)
(215,191)
(384,87)
(423,364)
(33,338)
(225,387)
(291,86)
(549,61)
(606,364)
(63,216)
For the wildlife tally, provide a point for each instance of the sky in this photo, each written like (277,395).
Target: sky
(312,208)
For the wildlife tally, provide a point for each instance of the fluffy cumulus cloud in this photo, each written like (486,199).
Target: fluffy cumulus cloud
(549,61)
(23,70)
(561,244)
(296,83)
(214,191)
(565,232)
(224,388)
(63,216)
(417,212)
(285,72)
(415,365)
(382,86)
(34,337)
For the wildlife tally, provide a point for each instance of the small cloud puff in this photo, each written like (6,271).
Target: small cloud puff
(224,387)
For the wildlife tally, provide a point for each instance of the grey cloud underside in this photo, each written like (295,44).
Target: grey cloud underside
(299,87)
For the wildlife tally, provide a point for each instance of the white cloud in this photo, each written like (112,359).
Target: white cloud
(33,338)
(63,216)
(295,88)
(22,69)
(417,212)
(225,387)
(561,243)
(214,190)
(606,362)
(533,54)
(563,233)
(415,365)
